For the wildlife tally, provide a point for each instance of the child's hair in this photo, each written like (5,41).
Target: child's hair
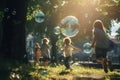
(67,40)
(99,24)
(37,45)
(45,40)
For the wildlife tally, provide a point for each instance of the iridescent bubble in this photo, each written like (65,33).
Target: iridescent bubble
(57,30)
(87,48)
(70,26)
(40,17)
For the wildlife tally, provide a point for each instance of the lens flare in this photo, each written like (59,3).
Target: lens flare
(69,26)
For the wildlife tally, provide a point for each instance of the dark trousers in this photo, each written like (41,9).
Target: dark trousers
(66,62)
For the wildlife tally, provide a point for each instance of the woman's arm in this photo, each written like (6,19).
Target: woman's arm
(93,42)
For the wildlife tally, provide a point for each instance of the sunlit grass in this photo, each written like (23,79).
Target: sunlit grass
(59,71)
(33,71)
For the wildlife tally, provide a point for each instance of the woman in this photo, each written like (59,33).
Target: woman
(100,42)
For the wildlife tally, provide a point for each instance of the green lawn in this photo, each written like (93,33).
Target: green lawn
(32,71)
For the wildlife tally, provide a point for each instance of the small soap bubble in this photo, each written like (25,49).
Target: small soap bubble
(57,30)
(87,48)
(40,17)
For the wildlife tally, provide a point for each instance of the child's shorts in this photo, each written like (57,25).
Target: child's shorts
(45,59)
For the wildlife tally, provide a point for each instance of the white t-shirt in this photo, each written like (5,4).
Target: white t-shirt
(68,50)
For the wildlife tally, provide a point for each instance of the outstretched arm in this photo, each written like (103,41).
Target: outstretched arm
(76,48)
(93,42)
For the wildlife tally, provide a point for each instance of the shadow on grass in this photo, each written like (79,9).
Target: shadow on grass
(64,72)
(31,72)
(86,79)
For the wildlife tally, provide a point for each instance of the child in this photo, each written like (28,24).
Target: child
(45,51)
(37,53)
(100,43)
(68,48)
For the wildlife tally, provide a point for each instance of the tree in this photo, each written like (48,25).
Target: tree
(55,10)
(13,41)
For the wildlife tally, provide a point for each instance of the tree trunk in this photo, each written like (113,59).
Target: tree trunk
(13,41)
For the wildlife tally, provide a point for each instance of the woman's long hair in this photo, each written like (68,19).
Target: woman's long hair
(99,24)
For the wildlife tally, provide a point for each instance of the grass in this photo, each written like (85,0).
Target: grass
(32,71)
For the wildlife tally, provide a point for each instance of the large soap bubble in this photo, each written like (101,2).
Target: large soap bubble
(70,26)
(40,17)
(87,48)
(57,30)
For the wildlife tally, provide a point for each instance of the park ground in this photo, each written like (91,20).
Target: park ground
(33,71)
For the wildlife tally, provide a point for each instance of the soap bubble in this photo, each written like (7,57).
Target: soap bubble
(57,30)
(40,17)
(70,26)
(87,48)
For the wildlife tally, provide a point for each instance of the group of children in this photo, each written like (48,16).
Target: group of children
(99,43)
(44,52)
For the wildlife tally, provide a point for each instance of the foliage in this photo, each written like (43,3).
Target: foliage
(86,13)
(118,35)
(55,10)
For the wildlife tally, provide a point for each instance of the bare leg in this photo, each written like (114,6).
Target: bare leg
(110,65)
(103,61)
(45,63)
(104,64)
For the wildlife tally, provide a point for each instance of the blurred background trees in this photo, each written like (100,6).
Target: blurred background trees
(15,28)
